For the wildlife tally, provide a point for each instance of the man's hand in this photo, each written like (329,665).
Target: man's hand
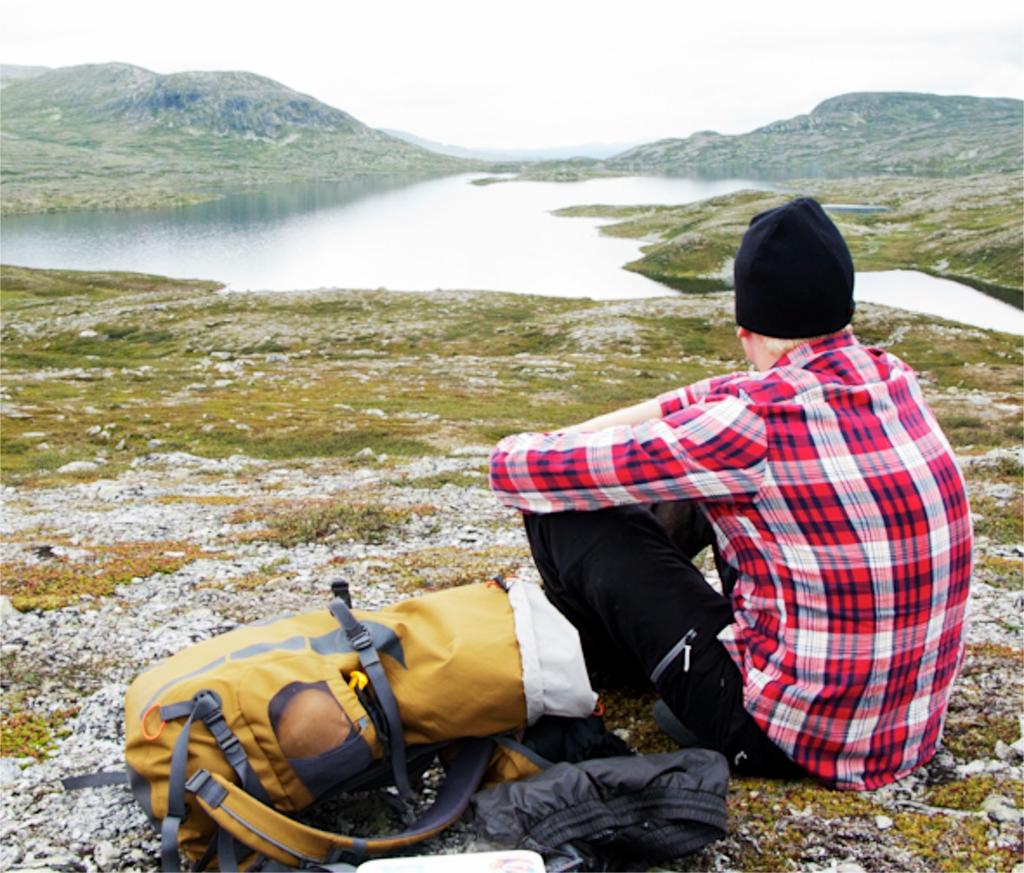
(636,414)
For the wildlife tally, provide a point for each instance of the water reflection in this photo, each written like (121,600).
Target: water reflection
(370,232)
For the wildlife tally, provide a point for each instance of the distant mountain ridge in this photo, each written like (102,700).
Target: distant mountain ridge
(898,133)
(11,72)
(596,150)
(120,135)
(222,102)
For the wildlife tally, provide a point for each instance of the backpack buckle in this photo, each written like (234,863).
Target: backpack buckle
(361,640)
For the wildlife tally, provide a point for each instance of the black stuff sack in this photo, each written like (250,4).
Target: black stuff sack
(610,813)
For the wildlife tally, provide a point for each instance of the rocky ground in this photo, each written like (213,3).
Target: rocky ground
(177,461)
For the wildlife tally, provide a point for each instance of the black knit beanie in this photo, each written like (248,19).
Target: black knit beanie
(793,273)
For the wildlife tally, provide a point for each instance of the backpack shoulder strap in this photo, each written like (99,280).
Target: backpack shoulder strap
(394,741)
(283,839)
(95,780)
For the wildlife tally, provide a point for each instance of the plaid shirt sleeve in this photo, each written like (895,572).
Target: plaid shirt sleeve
(714,450)
(673,401)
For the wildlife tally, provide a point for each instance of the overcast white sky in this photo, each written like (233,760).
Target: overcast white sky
(559,72)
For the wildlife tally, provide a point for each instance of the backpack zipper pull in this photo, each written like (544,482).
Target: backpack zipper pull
(690,635)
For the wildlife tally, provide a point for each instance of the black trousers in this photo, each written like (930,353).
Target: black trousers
(624,577)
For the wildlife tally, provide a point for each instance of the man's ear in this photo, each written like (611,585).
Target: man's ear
(742,333)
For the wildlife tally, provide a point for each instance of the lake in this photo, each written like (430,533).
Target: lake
(419,236)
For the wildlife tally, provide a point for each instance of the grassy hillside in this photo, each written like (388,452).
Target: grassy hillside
(967,229)
(854,134)
(115,135)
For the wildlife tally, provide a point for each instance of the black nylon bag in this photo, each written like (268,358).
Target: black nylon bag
(610,813)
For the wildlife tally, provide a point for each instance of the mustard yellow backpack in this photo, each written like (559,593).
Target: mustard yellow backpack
(227,740)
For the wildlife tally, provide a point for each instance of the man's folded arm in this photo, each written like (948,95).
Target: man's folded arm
(707,451)
(680,398)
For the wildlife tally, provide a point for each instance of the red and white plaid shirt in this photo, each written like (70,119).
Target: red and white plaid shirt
(834,493)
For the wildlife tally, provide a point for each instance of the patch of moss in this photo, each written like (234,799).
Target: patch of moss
(985,705)
(952,845)
(200,499)
(435,568)
(265,574)
(772,820)
(965,794)
(476,478)
(25,734)
(56,582)
(1002,523)
(1000,571)
(290,523)
(629,709)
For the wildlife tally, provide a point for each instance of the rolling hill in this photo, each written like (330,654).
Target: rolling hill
(877,133)
(116,135)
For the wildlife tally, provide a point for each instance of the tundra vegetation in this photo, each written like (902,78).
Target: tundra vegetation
(178,458)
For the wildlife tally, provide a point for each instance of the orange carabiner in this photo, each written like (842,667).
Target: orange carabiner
(145,733)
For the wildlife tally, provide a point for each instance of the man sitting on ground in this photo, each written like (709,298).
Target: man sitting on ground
(838,516)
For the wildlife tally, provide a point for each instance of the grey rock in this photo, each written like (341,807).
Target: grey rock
(472,452)
(105,854)
(973,768)
(7,610)
(993,458)
(10,773)
(1001,809)
(78,467)
(1001,491)
(10,854)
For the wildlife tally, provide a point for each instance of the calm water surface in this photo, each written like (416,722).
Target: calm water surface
(423,235)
